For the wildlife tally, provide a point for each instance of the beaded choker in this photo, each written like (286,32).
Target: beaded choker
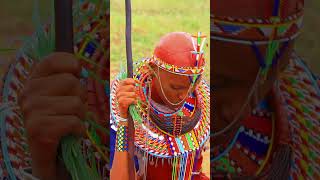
(175,122)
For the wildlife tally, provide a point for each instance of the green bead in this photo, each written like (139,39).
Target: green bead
(305,109)
(310,171)
(180,113)
(309,125)
(292,80)
(299,94)
(312,155)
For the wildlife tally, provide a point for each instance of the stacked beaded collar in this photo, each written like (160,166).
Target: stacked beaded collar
(149,137)
(173,122)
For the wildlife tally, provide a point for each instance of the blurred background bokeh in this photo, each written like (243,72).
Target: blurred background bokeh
(308,44)
(17,23)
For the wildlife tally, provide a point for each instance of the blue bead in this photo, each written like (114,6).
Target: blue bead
(84,73)
(252,144)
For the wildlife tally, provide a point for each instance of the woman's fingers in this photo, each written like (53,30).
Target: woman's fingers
(64,84)
(54,105)
(57,63)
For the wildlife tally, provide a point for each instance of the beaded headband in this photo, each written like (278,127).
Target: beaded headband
(175,69)
(187,71)
(257,30)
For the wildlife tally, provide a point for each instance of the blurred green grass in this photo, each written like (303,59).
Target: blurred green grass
(150,21)
(308,44)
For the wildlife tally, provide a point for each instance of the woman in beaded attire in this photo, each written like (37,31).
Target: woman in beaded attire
(170,117)
(267,100)
(45,95)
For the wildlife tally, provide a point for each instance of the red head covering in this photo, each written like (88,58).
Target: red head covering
(176,52)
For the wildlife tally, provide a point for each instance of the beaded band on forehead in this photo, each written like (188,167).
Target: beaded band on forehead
(241,30)
(185,71)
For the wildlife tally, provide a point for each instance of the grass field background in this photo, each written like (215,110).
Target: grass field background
(150,21)
(308,44)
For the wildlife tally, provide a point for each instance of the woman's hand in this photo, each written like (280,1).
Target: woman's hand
(126,95)
(53,104)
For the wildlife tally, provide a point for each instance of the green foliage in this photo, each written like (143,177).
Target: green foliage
(74,160)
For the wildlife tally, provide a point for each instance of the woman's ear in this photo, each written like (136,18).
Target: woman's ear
(153,68)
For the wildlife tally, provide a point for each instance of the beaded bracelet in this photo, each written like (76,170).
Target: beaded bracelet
(122,139)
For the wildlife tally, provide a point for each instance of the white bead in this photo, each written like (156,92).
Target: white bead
(246,151)
(258,136)
(253,157)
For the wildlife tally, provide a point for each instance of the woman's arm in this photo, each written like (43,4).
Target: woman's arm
(123,164)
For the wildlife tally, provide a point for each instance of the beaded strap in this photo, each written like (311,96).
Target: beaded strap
(122,139)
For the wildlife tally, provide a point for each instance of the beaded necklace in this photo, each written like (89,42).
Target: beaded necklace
(179,150)
(253,142)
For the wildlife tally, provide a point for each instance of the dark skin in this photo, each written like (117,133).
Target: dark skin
(233,78)
(235,66)
(53,104)
(175,87)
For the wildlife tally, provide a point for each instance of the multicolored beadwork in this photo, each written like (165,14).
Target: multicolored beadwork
(179,149)
(271,30)
(122,139)
(175,69)
(257,33)
(248,152)
(301,93)
(259,29)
